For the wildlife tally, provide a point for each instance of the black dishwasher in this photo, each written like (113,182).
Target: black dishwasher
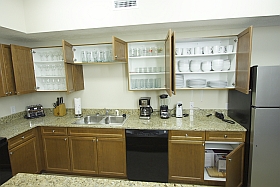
(5,165)
(147,155)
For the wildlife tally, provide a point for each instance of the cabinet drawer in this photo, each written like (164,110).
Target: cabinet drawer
(225,136)
(15,141)
(54,130)
(186,135)
(96,132)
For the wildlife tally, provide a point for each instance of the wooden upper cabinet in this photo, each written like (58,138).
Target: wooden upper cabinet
(78,77)
(74,73)
(69,77)
(7,79)
(243,60)
(68,54)
(119,50)
(169,63)
(23,69)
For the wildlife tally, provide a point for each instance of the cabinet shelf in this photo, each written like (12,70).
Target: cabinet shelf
(208,178)
(204,55)
(51,61)
(98,63)
(160,73)
(205,88)
(143,57)
(207,72)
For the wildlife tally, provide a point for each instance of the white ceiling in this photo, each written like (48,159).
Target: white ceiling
(140,29)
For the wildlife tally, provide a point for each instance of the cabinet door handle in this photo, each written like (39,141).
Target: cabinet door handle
(229,159)
(93,140)
(203,144)
(7,93)
(187,135)
(97,140)
(65,139)
(22,137)
(225,136)
(53,131)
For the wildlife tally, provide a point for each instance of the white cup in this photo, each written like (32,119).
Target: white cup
(229,49)
(190,51)
(197,50)
(222,49)
(216,49)
(206,50)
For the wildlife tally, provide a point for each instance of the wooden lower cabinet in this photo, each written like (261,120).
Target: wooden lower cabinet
(186,156)
(56,152)
(88,151)
(111,157)
(83,154)
(24,153)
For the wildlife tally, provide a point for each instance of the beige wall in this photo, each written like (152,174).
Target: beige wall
(106,85)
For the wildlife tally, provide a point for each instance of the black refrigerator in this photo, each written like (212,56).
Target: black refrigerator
(259,113)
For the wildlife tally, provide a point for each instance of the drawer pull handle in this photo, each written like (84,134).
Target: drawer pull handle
(53,131)
(225,136)
(22,137)
(187,135)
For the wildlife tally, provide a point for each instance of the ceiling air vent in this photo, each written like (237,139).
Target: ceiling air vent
(119,4)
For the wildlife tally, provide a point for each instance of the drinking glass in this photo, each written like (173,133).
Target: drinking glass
(158,83)
(151,83)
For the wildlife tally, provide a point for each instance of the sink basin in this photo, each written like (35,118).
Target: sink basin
(113,120)
(90,120)
(101,120)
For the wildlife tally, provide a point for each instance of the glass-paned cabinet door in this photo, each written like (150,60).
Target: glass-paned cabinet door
(146,66)
(206,63)
(49,69)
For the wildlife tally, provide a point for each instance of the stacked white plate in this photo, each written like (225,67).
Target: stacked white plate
(195,66)
(217,84)
(183,65)
(196,83)
(179,81)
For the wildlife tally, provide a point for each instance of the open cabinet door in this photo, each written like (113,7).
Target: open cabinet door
(243,60)
(119,50)
(169,63)
(68,54)
(23,69)
(8,64)
(234,164)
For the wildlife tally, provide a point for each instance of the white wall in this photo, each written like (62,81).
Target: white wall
(12,15)
(106,85)
(57,15)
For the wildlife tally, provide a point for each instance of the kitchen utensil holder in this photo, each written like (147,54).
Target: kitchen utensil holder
(60,110)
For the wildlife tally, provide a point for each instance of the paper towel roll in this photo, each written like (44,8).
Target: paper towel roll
(78,106)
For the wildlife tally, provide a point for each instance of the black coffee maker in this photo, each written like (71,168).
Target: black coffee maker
(145,109)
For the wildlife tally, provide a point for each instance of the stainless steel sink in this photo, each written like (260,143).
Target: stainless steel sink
(113,120)
(90,120)
(101,120)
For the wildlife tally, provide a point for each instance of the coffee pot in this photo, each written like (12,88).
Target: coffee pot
(145,109)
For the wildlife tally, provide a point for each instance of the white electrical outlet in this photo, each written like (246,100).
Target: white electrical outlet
(13,109)
(191,105)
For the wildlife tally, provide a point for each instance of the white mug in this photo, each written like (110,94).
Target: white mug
(216,49)
(229,48)
(197,50)
(222,49)
(206,50)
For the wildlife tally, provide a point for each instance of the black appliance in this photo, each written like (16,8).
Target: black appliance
(5,165)
(259,113)
(147,155)
(145,108)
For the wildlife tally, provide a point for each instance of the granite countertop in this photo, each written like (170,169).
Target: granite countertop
(24,179)
(197,122)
